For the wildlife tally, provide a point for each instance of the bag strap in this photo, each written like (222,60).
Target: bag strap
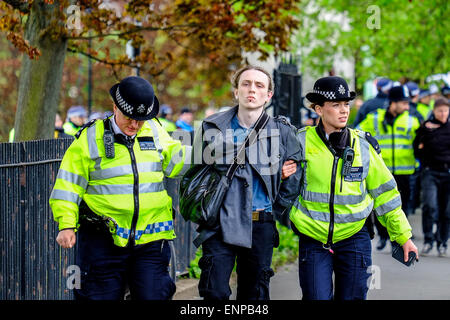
(249,140)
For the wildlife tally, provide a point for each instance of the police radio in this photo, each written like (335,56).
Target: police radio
(348,157)
(108,141)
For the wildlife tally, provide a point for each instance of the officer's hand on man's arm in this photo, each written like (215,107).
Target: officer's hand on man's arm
(288,169)
(407,247)
(66,238)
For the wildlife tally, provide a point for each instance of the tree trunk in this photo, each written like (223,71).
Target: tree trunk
(40,80)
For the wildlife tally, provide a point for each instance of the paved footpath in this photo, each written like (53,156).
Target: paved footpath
(425,280)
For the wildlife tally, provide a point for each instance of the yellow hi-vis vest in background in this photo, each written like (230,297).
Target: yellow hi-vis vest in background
(128,189)
(333,207)
(396,142)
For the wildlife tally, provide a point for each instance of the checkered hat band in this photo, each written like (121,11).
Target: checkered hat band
(128,108)
(326,94)
(122,103)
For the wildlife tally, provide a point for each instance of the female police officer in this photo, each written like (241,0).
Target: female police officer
(344,179)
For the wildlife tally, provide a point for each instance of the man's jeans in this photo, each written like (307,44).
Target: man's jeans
(253,265)
(350,262)
(436,205)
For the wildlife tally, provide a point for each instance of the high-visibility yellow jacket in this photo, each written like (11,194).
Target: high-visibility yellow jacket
(331,207)
(425,110)
(70,128)
(168,125)
(396,141)
(127,189)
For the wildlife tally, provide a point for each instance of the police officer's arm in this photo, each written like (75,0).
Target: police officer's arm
(70,186)
(290,187)
(176,156)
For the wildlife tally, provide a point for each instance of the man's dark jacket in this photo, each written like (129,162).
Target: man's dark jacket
(435,153)
(279,143)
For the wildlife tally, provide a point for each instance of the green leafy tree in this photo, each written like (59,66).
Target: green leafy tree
(396,39)
(180,41)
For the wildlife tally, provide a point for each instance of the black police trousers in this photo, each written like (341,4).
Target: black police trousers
(253,265)
(107,270)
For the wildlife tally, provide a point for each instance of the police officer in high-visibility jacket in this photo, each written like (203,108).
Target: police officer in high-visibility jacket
(395,130)
(344,179)
(110,190)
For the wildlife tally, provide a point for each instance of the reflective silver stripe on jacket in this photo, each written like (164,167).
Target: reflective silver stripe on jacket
(124,170)
(396,146)
(92,145)
(65,195)
(385,187)
(389,136)
(72,178)
(397,168)
(124,188)
(338,199)
(338,217)
(388,206)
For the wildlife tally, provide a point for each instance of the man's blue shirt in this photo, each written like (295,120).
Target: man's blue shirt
(260,199)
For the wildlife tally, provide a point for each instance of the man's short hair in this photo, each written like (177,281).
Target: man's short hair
(237,75)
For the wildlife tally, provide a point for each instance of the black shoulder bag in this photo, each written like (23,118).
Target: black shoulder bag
(203,188)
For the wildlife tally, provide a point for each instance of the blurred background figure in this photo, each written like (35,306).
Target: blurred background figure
(107,114)
(425,104)
(95,115)
(210,111)
(380,100)
(165,118)
(59,130)
(354,108)
(185,120)
(76,117)
(432,147)
(445,90)
(414,92)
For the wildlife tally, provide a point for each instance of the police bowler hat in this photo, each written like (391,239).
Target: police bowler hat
(330,89)
(399,93)
(135,97)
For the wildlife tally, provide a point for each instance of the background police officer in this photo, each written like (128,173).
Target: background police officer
(344,179)
(110,189)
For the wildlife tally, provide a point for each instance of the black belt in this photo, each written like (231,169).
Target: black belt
(261,216)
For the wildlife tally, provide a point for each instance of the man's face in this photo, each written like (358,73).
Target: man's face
(253,89)
(441,113)
(128,126)
(334,114)
(400,106)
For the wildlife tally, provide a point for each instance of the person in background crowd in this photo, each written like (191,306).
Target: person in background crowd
(59,130)
(445,90)
(380,100)
(185,120)
(95,115)
(432,147)
(395,130)
(425,104)
(354,110)
(109,195)
(76,118)
(344,178)
(210,111)
(165,118)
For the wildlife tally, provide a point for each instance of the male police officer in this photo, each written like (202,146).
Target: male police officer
(110,189)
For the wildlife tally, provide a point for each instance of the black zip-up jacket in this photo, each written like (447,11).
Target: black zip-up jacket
(435,153)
